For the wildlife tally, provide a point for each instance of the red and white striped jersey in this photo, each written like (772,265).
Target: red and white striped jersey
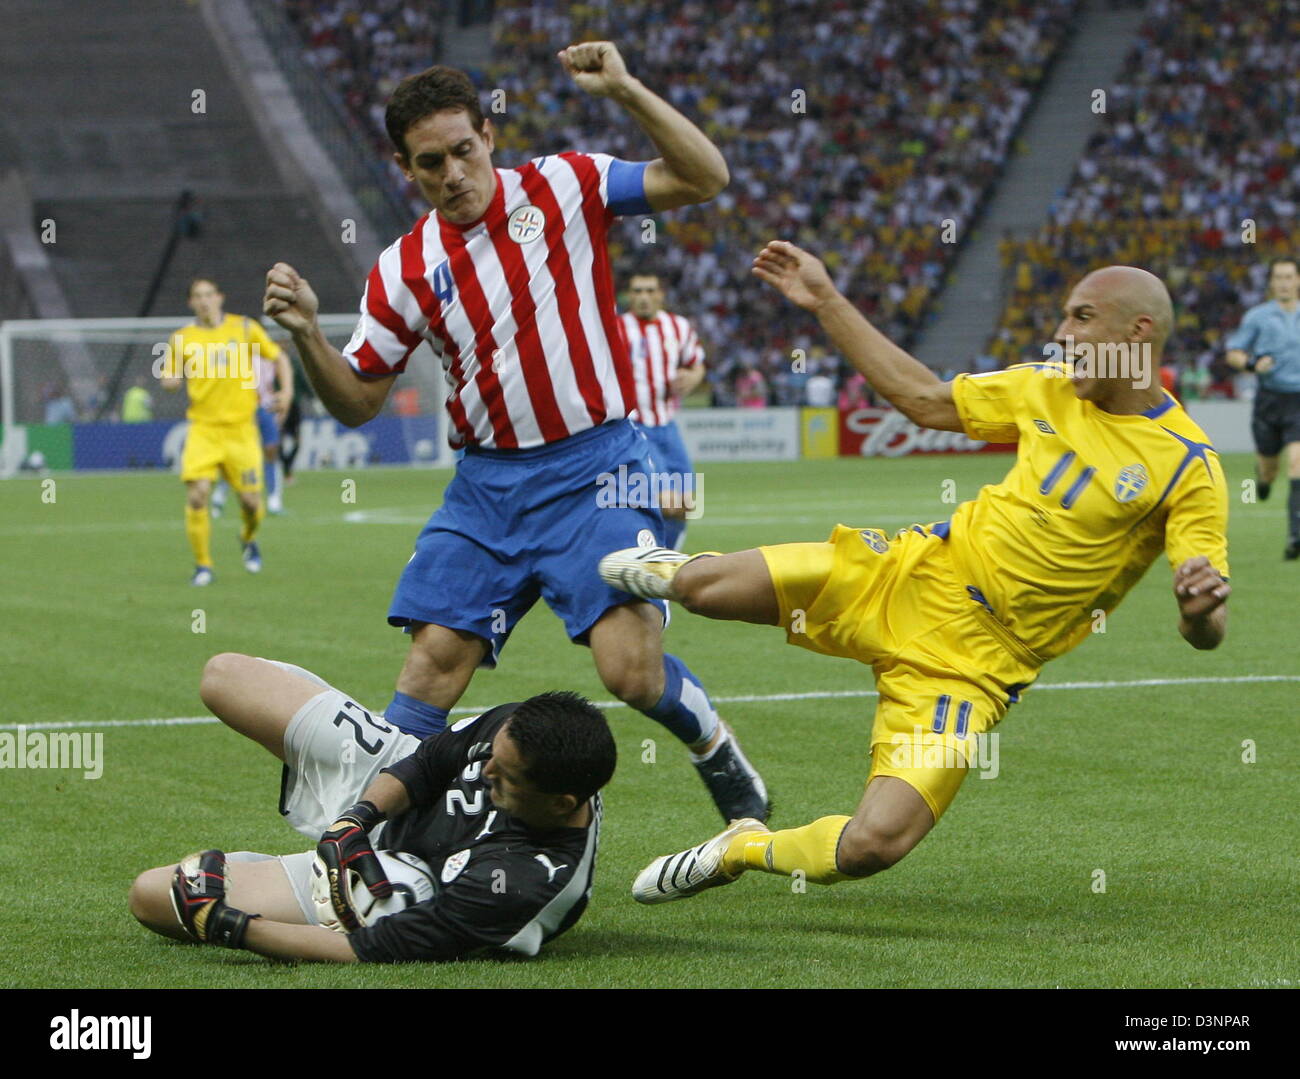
(518,306)
(659,346)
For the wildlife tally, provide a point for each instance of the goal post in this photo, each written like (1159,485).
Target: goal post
(64,384)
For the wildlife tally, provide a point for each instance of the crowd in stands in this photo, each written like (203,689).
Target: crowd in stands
(364,48)
(1195,176)
(855,129)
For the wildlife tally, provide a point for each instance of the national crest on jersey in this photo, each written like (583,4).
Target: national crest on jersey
(454,865)
(518,307)
(875,540)
(1130,482)
(525,224)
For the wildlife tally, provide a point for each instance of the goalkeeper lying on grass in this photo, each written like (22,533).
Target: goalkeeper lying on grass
(497,819)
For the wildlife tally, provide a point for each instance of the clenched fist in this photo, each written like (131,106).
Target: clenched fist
(289,299)
(596,67)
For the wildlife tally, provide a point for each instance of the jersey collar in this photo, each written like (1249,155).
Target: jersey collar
(1160,409)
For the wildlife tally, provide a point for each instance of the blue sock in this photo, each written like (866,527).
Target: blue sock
(684,708)
(413,716)
(272,477)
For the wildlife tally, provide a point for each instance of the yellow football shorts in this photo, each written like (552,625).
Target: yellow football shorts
(945,668)
(234,449)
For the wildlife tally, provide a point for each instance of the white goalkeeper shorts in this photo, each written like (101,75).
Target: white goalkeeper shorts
(334,748)
(297,867)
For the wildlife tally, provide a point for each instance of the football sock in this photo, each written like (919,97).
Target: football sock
(684,708)
(810,849)
(252,518)
(198,528)
(410,715)
(1293,509)
(700,758)
(272,477)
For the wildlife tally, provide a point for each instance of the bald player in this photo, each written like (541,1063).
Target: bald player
(956,618)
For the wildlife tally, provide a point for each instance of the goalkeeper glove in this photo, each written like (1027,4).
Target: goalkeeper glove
(199,899)
(345,849)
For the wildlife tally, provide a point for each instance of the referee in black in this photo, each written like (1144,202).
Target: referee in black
(1268,343)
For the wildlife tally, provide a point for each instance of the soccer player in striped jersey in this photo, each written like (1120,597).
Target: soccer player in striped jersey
(956,618)
(668,363)
(508,281)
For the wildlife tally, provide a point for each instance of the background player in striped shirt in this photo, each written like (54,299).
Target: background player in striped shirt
(668,363)
(508,280)
(218,358)
(1268,343)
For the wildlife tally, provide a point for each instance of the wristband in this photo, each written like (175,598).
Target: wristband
(224,925)
(366,814)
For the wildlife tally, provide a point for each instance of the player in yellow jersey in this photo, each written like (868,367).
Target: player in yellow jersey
(956,618)
(217,357)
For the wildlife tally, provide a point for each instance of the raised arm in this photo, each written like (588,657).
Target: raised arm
(350,399)
(690,169)
(900,378)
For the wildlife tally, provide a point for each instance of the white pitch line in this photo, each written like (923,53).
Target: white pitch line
(758,698)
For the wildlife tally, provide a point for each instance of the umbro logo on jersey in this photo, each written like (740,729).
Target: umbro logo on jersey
(526,224)
(453,866)
(1045,427)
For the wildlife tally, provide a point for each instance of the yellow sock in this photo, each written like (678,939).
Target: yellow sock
(251,520)
(810,849)
(199,530)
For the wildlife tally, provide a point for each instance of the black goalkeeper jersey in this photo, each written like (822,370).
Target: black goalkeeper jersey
(499,883)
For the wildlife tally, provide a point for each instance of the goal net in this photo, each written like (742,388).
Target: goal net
(83,394)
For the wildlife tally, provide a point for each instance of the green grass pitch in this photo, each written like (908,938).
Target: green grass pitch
(1144,783)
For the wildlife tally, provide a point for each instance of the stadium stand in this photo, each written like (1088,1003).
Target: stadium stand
(1201,135)
(106,170)
(853,129)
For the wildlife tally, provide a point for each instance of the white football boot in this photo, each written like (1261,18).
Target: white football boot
(677,876)
(645,571)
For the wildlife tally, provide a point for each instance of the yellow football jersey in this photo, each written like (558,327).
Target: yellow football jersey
(1092,499)
(221,369)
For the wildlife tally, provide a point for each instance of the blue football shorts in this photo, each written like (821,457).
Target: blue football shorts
(519,525)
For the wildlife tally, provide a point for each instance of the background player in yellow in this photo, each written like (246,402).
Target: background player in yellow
(956,618)
(217,358)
